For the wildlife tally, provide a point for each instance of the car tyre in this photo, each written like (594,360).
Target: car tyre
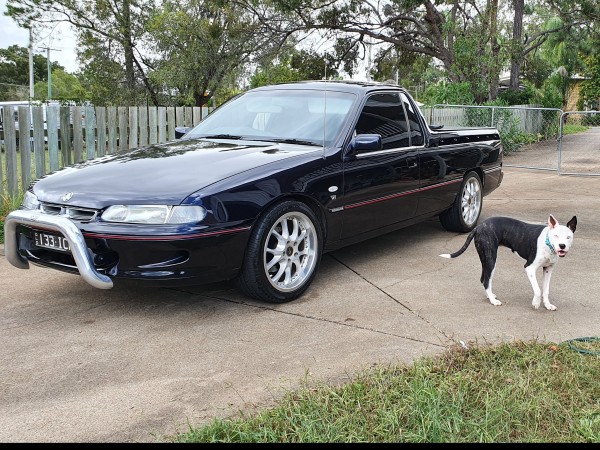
(283,253)
(464,213)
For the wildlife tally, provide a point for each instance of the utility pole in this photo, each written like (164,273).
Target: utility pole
(31,91)
(369,60)
(49,64)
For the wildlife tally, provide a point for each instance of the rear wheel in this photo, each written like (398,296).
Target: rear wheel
(283,254)
(462,216)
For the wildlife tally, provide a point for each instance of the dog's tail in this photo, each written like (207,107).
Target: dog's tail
(461,250)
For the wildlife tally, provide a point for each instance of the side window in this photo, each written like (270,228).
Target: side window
(416,132)
(384,114)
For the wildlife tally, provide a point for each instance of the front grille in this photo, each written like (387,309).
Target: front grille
(72,212)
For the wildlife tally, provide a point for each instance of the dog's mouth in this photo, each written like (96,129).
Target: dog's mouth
(561,253)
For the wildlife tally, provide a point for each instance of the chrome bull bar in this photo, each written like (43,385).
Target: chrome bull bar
(36,218)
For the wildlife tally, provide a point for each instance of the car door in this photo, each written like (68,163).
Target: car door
(380,186)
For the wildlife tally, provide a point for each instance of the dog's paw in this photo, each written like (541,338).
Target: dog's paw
(494,301)
(536,302)
(550,307)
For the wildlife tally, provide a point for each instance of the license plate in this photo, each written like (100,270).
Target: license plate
(51,241)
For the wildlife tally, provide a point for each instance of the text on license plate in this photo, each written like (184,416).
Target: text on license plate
(51,241)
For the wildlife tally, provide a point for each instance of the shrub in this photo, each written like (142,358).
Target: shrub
(449,93)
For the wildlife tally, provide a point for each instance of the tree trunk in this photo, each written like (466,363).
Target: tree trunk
(128,50)
(516,56)
(495,69)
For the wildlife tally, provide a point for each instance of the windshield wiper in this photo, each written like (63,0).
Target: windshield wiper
(296,141)
(219,136)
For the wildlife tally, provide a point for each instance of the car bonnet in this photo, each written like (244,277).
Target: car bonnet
(158,174)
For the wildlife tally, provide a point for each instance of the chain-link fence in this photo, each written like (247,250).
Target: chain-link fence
(579,153)
(533,138)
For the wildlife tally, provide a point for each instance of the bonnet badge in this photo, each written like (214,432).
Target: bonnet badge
(66,197)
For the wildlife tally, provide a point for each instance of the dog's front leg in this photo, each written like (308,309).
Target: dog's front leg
(546,287)
(537,293)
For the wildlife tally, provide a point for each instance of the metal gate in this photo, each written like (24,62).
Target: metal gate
(533,138)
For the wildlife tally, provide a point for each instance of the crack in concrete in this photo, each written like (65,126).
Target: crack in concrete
(306,316)
(416,314)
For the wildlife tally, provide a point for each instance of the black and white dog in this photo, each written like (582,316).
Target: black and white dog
(539,245)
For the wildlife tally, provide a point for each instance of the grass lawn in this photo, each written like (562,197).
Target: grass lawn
(518,392)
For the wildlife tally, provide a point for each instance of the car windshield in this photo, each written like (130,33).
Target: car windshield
(302,116)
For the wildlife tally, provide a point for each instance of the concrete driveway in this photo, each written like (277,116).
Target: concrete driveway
(78,364)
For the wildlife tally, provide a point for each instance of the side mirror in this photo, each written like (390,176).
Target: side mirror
(180,131)
(362,143)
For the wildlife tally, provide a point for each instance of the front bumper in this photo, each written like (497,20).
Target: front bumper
(63,225)
(106,254)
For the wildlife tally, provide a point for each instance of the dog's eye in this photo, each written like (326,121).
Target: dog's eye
(568,237)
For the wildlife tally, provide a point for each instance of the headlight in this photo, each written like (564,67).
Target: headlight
(154,214)
(30,201)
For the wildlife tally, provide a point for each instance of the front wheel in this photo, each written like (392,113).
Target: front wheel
(283,254)
(462,216)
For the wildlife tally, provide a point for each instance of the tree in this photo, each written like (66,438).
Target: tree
(295,65)
(518,52)
(104,23)
(441,31)
(66,88)
(202,44)
(103,74)
(558,25)
(590,88)
(14,66)
(14,69)
(469,37)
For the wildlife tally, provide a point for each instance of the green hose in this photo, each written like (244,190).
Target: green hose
(573,345)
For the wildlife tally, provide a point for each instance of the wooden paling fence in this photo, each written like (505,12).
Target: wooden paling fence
(42,139)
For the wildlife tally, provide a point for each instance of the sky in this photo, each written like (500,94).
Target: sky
(61,40)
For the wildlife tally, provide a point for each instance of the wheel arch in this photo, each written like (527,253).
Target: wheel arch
(309,201)
(479,171)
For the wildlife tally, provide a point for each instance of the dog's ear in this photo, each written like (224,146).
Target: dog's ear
(572,224)
(552,222)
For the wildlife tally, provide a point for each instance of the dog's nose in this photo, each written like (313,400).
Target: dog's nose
(562,246)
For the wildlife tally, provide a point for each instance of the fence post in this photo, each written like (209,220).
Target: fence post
(179,122)
(133,126)
(123,131)
(25,145)
(65,135)
(162,124)
(52,132)
(560,136)
(197,115)
(77,135)
(187,116)
(171,121)
(39,146)
(10,136)
(112,129)
(152,133)
(90,132)
(143,123)
(101,130)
